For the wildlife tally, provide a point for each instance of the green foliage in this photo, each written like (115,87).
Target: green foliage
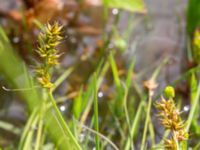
(196,46)
(77,105)
(130,5)
(14,70)
(96,116)
(124,113)
(193,16)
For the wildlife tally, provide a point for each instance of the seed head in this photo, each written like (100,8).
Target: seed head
(49,39)
(169,117)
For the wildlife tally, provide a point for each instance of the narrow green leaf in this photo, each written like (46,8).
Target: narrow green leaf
(130,5)
(96,116)
(12,67)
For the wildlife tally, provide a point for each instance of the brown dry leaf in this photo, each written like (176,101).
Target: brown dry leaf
(15,15)
(89,30)
(93,2)
(150,84)
(43,10)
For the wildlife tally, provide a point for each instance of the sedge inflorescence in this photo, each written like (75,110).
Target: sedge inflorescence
(49,38)
(170,118)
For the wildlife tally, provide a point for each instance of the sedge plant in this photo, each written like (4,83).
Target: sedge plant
(169,116)
(49,39)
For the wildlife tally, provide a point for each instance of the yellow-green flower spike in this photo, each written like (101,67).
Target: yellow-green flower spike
(169,92)
(49,38)
(170,118)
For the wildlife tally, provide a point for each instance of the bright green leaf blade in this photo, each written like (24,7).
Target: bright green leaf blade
(12,67)
(193,16)
(130,5)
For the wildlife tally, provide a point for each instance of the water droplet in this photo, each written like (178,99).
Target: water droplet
(16,39)
(100,94)
(111,45)
(186,108)
(81,137)
(115,11)
(62,108)
(73,40)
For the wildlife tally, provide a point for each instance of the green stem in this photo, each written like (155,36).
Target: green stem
(197,146)
(62,78)
(62,121)
(96,112)
(146,122)
(193,108)
(30,123)
(177,145)
(39,133)
(42,110)
(135,124)
(127,116)
(151,131)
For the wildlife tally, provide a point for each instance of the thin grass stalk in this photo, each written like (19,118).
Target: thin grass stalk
(127,115)
(151,131)
(99,81)
(96,116)
(10,127)
(62,121)
(31,121)
(62,78)
(99,134)
(135,124)
(197,146)
(146,121)
(29,136)
(39,133)
(177,145)
(193,108)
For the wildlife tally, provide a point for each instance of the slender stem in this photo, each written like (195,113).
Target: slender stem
(127,115)
(146,122)
(197,146)
(31,122)
(41,122)
(135,124)
(151,131)
(194,106)
(99,134)
(176,141)
(96,121)
(62,78)
(39,133)
(62,121)
(29,135)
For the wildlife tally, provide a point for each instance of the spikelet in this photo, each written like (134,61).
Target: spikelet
(169,117)
(49,38)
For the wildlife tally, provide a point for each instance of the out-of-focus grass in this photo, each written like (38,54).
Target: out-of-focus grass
(123,121)
(14,70)
(193,15)
(135,6)
(193,25)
